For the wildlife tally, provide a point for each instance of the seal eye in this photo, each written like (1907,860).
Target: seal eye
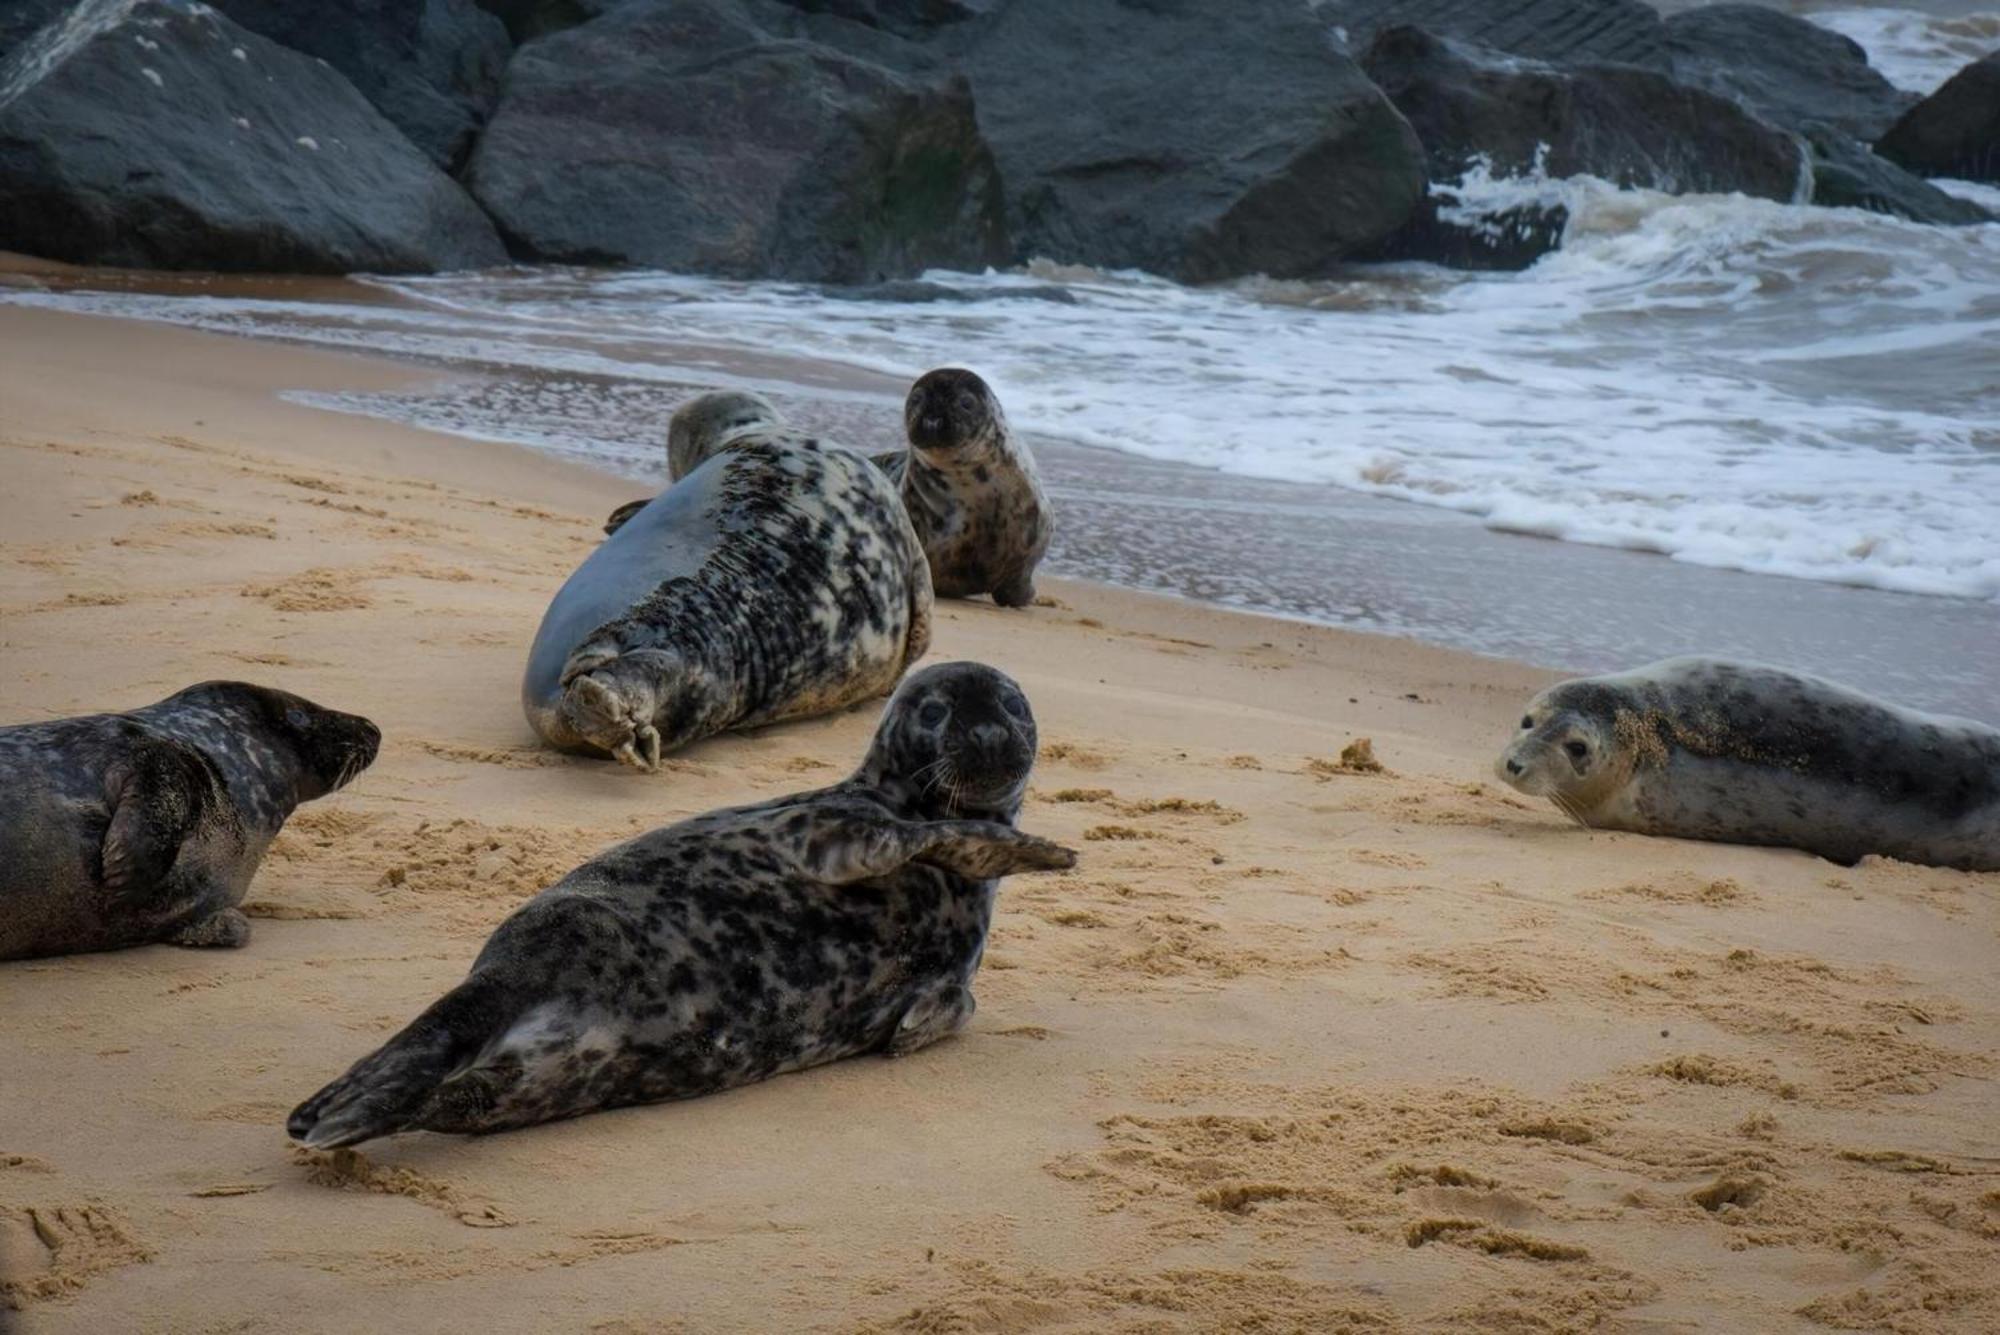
(1577,749)
(933,713)
(1017,705)
(1528,721)
(297,718)
(967,401)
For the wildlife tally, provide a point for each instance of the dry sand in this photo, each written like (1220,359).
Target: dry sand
(1294,1048)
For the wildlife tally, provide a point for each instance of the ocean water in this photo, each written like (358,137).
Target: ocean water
(1772,388)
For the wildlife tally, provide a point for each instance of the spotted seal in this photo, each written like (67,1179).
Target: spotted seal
(780,578)
(734,946)
(123,829)
(1701,748)
(972,490)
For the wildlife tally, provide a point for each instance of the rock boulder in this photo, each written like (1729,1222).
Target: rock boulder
(158,134)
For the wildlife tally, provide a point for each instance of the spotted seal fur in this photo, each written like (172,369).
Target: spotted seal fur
(972,490)
(780,578)
(1702,748)
(734,946)
(124,829)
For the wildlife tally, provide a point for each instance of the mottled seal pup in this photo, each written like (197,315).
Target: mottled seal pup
(780,578)
(1700,748)
(733,946)
(972,490)
(122,829)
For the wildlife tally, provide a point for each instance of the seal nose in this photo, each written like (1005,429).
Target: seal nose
(1514,767)
(989,737)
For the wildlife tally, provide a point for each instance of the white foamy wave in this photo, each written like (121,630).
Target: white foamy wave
(1733,382)
(1914,50)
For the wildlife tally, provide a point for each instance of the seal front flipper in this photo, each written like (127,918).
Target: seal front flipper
(226,930)
(1016,592)
(935,1014)
(840,847)
(984,850)
(389,1089)
(616,520)
(157,794)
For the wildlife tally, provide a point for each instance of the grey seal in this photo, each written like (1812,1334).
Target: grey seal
(780,578)
(143,826)
(733,946)
(1703,748)
(972,490)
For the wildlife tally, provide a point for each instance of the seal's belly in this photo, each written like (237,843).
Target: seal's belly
(1732,801)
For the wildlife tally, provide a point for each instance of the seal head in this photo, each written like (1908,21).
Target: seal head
(705,425)
(959,738)
(949,410)
(1564,749)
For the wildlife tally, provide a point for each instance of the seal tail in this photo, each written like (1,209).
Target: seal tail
(385,1091)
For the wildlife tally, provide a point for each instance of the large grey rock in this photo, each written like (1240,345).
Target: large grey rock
(1195,140)
(1956,130)
(1848,175)
(528,19)
(20,18)
(158,134)
(1517,117)
(1627,125)
(431,66)
(1627,31)
(1790,72)
(698,135)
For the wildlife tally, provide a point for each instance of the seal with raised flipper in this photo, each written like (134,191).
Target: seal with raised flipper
(734,946)
(778,579)
(146,826)
(1704,748)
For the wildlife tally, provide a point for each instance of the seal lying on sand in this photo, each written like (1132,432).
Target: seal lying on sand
(1699,748)
(733,946)
(972,490)
(123,829)
(780,578)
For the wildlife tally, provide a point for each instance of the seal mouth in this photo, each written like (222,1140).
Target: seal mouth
(1521,778)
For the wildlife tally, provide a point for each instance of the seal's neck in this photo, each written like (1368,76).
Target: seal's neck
(266,777)
(984,450)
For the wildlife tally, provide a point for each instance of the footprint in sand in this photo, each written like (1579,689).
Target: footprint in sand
(350,1170)
(49,1251)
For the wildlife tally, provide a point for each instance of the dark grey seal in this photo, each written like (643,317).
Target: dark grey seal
(733,946)
(972,490)
(1700,748)
(123,829)
(780,578)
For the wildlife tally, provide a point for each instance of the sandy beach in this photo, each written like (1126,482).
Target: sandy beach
(1298,1046)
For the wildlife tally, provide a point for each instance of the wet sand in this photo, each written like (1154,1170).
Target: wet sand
(1294,1048)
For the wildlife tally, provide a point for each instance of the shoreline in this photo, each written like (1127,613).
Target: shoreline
(1296,551)
(1294,1048)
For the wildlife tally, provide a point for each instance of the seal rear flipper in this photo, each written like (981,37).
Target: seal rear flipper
(157,795)
(388,1090)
